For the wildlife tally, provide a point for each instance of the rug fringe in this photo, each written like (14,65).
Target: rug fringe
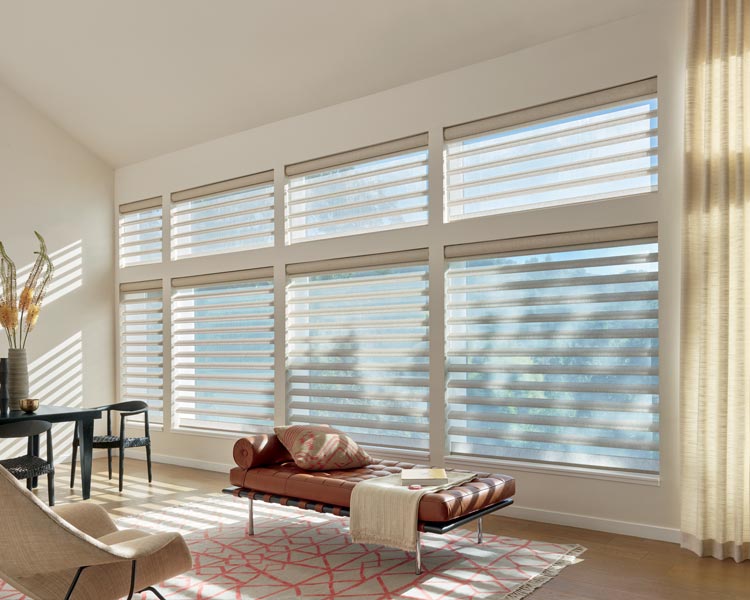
(545,576)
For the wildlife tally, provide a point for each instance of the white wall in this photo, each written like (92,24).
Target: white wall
(52,184)
(628,50)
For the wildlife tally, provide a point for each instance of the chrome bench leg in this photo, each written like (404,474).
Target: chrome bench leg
(418,554)
(250,524)
(479,530)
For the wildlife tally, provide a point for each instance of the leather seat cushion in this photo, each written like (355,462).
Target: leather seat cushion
(335,487)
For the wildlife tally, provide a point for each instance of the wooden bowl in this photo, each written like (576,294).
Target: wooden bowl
(29,405)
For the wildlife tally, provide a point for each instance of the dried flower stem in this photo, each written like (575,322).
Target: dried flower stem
(30,301)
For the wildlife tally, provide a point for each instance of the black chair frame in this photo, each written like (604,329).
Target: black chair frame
(111,442)
(31,430)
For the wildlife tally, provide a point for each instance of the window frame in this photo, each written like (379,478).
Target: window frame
(459,337)
(436,235)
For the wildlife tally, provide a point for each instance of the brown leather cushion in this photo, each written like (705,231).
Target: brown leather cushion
(335,487)
(259,450)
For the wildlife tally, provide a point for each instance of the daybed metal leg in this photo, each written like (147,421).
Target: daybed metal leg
(250,524)
(418,555)
(479,530)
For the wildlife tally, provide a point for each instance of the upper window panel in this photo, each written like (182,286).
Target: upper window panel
(140,232)
(223,217)
(587,148)
(372,189)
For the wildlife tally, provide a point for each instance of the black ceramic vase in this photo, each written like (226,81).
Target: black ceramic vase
(4,399)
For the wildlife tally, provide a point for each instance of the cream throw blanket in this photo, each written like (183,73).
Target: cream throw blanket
(384,512)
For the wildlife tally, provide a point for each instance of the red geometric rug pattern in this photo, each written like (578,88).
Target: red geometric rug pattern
(298,554)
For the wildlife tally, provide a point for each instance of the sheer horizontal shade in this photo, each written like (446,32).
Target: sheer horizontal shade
(376,188)
(357,353)
(142,347)
(552,355)
(587,148)
(359,262)
(228,216)
(222,356)
(224,277)
(227,185)
(139,205)
(607,236)
(141,286)
(140,235)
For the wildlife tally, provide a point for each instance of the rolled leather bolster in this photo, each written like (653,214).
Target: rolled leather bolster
(259,450)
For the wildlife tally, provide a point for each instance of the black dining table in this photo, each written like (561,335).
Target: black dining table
(83,417)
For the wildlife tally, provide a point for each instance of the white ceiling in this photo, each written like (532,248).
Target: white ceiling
(132,79)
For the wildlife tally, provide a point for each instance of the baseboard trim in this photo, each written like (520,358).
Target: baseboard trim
(641,530)
(180,461)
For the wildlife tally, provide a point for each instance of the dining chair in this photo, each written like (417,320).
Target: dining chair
(119,442)
(29,466)
(76,552)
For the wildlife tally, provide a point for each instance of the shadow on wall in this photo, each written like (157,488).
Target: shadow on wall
(68,277)
(56,378)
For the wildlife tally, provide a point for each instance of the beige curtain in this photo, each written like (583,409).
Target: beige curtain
(715,384)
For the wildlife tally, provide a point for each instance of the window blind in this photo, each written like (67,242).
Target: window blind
(140,232)
(371,189)
(142,346)
(222,352)
(590,147)
(228,216)
(552,353)
(357,349)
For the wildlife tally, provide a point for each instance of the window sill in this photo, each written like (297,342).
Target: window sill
(468,462)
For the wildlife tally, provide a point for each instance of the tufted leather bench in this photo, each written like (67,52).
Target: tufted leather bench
(265,471)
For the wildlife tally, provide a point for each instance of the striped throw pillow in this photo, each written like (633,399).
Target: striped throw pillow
(321,448)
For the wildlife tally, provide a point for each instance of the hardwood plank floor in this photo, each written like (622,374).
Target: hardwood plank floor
(615,567)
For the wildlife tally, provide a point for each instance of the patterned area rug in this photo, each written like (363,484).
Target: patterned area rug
(299,554)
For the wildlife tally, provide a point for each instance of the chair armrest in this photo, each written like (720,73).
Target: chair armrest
(259,450)
(91,519)
(144,546)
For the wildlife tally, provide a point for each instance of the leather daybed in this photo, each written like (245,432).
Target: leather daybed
(266,472)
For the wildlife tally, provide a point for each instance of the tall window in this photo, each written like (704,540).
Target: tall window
(551,341)
(596,146)
(223,217)
(140,232)
(371,189)
(222,351)
(357,343)
(142,345)
(552,349)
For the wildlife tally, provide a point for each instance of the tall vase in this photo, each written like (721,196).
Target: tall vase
(18,377)
(4,399)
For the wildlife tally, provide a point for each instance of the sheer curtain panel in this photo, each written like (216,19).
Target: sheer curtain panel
(715,392)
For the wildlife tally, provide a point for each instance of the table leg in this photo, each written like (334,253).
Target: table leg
(86,445)
(35,452)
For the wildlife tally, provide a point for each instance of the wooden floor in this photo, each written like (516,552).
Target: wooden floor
(615,567)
